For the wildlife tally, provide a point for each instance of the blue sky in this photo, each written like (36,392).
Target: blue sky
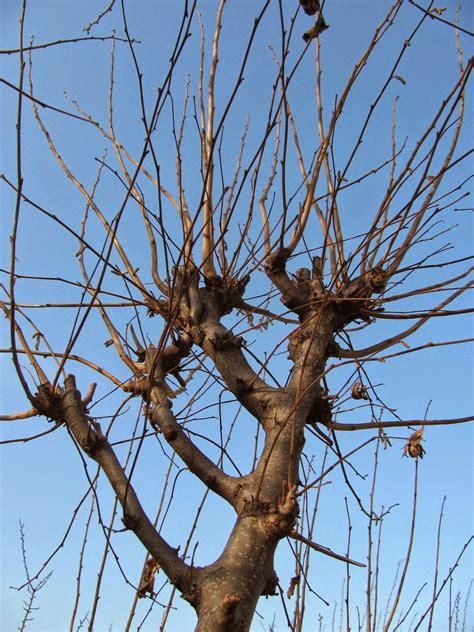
(42,481)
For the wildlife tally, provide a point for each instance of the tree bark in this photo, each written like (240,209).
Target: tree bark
(232,586)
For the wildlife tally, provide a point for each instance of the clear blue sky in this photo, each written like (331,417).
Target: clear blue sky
(42,482)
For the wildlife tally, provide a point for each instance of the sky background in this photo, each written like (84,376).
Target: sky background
(43,481)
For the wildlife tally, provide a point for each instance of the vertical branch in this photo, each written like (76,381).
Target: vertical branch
(111,230)
(303,215)
(187,224)
(208,145)
(284,52)
(396,600)
(366,261)
(327,239)
(307,552)
(18,333)
(93,291)
(348,572)
(108,530)
(81,566)
(265,192)
(227,268)
(435,581)
(334,211)
(147,556)
(16,216)
(372,518)
(377,570)
(404,247)
(32,587)
(135,192)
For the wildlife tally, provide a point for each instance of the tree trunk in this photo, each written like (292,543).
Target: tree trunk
(232,586)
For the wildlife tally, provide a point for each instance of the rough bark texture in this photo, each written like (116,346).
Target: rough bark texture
(208,283)
(226,592)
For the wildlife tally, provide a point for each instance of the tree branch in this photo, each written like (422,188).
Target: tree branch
(334,425)
(89,437)
(225,351)
(197,462)
(324,549)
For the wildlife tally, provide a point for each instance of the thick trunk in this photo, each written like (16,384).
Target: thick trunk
(231,587)
(227,591)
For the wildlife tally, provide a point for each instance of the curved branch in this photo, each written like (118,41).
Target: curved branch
(389,342)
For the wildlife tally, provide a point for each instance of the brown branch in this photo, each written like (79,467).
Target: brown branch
(252,309)
(134,189)
(197,462)
(407,315)
(303,216)
(388,621)
(72,40)
(436,573)
(32,437)
(226,353)
(457,93)
(111,229)
(428,288)
(451,571)
(208,139)
(335,425)
(27,414)
(81,566)
(389,342)
(99,17)
(56,219)
(77,305)
(43,104)
(428,345)
(71,356)
(17,332)
(90,439)
(435,16)
(324,549)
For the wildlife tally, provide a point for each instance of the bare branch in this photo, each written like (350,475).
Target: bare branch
(324,549)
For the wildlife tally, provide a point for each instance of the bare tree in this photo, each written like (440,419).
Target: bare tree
(207,265)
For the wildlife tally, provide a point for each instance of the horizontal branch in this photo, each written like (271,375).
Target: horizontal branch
(76,305)
(370,313)
(252,309)
(398,424)
(428,345)
(27,414)
(38,435)
(73,40)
